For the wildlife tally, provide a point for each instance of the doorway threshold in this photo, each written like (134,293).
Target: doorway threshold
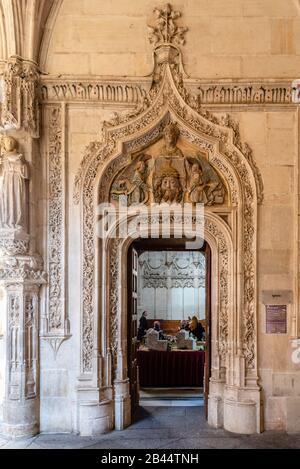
(171,397)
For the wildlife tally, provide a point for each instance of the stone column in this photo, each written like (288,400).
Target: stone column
(21,275)
(21,269)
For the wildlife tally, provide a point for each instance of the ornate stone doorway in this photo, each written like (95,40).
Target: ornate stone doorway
(171,282)
(170,151)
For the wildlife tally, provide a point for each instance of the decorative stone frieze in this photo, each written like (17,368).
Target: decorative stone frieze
(124,92)
(129,93)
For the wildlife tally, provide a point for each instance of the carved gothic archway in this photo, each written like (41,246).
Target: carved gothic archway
(234,399)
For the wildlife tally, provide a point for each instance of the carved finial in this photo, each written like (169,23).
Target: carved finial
(164,30)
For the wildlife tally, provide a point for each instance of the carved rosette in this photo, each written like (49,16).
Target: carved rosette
(20,103)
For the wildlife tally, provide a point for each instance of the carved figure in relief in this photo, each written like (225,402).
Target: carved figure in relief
(167,186)
(196,186)
(169,177)
(135,187)
(171,135)
(13,175)
(205,185)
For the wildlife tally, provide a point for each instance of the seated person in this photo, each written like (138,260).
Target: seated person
(184,325)
(142,326)
(156,327)
(196,328)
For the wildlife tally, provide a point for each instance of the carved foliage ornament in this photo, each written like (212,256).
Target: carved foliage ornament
(164,29)
(55,228)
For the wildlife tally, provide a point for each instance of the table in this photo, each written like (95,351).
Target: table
(175,368)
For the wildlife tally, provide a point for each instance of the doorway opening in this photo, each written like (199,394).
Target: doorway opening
(172,284)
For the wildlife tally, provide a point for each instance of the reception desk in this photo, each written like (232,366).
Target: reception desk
(180,368)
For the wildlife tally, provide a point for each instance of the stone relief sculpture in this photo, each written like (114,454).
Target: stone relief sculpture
(170,177)
(166,185)
(13,176)
(205,186)
(133,185)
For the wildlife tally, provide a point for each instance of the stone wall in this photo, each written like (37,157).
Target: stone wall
(227,39)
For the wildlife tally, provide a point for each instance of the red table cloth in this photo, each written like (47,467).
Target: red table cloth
(175,368)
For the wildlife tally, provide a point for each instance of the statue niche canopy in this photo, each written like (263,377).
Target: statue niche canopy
(169,174)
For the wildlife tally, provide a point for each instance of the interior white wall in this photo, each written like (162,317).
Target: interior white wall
(162,284)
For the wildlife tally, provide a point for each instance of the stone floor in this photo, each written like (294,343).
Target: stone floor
(165,428)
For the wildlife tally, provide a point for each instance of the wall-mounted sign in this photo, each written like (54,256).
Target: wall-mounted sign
(276,319)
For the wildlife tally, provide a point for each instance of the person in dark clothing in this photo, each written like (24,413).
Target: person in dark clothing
(156,327)
(184,324)
(142,326)
(196,328)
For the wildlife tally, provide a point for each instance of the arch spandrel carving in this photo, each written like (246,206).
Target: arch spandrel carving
(136,132)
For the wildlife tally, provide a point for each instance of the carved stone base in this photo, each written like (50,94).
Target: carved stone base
(242,411)
(215,411)
(21,420)
(122,405)
(21,277)
(215,403)
(95,418)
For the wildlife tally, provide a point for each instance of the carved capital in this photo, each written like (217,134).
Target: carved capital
(22,269)
(13,242)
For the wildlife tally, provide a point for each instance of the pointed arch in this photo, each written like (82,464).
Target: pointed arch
(235,311)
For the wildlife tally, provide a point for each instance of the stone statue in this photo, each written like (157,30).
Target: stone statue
(13,198)
(135,187)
